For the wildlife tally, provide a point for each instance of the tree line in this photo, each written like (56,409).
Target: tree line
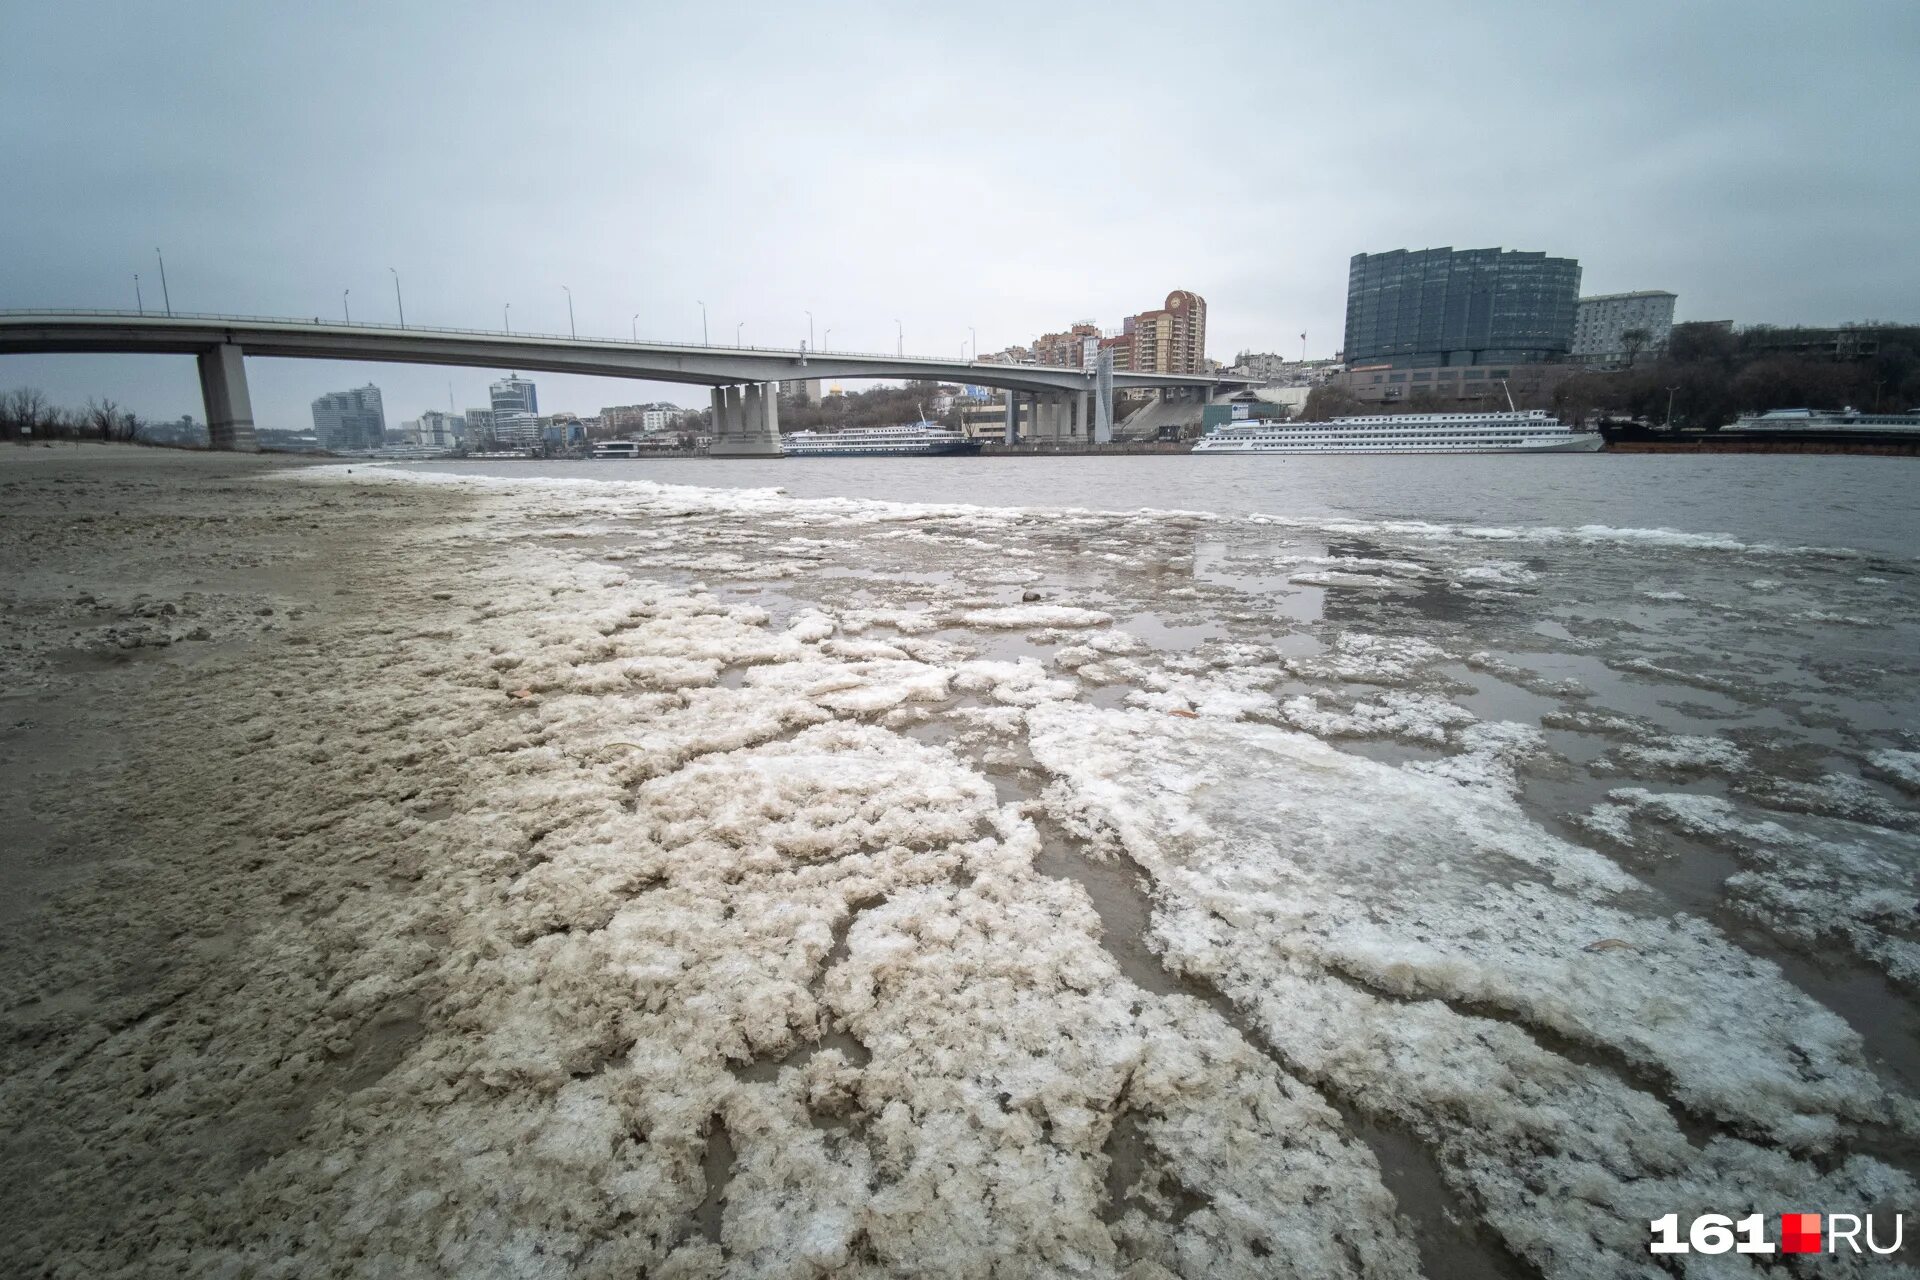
(877,407)
(1705,378)
(27,414)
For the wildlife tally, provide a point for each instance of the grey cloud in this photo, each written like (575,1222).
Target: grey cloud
(975,166)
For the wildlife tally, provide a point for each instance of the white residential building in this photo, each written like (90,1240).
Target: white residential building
(1601,323)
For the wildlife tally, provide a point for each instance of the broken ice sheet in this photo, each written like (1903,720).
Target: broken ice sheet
(1394,934)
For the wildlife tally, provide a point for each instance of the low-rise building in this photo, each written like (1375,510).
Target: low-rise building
(1277,369)
(987,420)
(1386,385)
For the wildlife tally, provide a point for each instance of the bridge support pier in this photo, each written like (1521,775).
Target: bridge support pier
(1058,416)
(223,390)
(1081,426)
(1013,417)
(746,421)
(1103,399)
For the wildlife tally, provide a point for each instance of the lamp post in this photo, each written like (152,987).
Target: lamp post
(825,339)
(809,329)
(571,333)
(506,317)
(1670,391)
(138,302)
(344,309)
(974,334)
(634,324)
(736,332)
(164,295)
(900,336)
(398,305)
(703,325)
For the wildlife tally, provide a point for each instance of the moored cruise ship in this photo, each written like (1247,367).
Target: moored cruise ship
(909,440)
(1814,420)
(1525,431)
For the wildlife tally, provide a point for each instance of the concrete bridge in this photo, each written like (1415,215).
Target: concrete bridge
(1063,402)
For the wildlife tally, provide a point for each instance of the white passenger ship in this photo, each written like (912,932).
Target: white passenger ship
(1527,431)
(911,440)
(1845,420)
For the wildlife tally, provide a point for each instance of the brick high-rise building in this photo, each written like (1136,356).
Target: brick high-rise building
(1073,349)
(1170,340)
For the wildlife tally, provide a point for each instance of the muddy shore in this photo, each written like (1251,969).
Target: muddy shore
(170,616)
(430,876)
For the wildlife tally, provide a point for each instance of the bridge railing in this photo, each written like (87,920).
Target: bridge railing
(317,323)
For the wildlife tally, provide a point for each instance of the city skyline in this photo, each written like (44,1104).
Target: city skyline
(650,189)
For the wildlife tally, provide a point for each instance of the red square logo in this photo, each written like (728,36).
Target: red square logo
(1799,1233)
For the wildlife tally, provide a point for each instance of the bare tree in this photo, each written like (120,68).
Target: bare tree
(24,413)
(108,421)
(1635,341)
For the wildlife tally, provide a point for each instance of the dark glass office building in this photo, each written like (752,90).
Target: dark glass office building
(1426,307)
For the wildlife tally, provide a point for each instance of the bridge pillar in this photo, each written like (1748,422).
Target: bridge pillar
(1080,424)
(752,420)
(1013,417)
(223,390)
(1057,410)
(1103,399)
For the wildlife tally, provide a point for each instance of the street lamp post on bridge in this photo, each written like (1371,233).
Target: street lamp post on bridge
(398,305)
(570,329)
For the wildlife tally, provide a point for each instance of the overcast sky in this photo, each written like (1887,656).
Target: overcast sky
(1006,167)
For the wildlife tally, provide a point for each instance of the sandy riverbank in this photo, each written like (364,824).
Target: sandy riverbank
(435,877)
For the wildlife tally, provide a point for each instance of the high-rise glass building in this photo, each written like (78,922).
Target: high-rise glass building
(349,421)
(514,394)
(1426,307)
